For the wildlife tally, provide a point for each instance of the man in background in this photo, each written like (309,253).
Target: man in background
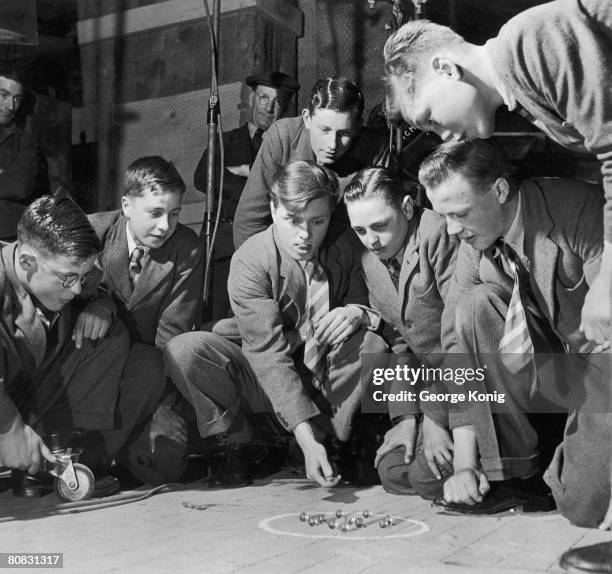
(18,154)
(269,98)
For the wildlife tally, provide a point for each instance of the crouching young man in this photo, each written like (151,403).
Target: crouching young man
(47,382)
(153,271)
(299,305)
(408,263)
(524,268)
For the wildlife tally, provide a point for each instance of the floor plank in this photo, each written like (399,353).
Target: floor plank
(196,529)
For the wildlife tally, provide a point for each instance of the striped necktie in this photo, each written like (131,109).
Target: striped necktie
(135,266)
(516,347)
(317,307)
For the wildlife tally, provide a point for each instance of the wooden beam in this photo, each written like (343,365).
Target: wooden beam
(174,12)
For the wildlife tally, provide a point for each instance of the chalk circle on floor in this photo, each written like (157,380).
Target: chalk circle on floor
(290,525)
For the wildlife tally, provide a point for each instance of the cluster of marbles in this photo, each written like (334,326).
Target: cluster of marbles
(346,522)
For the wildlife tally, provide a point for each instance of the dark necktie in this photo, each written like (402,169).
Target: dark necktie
(394,269)
(135,264)
(317,306)
(257,139)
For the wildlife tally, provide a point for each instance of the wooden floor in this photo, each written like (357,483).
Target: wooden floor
(256,530)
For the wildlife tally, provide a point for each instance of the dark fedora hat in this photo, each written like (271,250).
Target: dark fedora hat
(274,79)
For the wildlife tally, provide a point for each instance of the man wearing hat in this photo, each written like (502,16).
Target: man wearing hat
(270,95)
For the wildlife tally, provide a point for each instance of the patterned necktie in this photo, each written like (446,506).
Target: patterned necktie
(257,139)
(516,346)
(394,269)
(317,307)
(135,264)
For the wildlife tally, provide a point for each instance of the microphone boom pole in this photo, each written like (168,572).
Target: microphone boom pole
(212,121)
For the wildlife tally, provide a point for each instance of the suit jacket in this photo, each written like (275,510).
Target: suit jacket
(166,299)
(18,165)
(239,150)
(23,337)
(268,292)
(563,246)
(285,141)
(415,309)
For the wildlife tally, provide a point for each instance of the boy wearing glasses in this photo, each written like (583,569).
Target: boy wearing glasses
(153,269)
(47,383)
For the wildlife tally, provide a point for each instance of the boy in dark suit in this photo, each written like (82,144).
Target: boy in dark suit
(408,263)
(523,271)
(299,305)
(153,268)
(47,383)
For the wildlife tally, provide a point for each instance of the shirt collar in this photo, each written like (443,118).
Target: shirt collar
(47,318)
(131,242)
(508,98)
(253,128)
(399,256)
(515,236)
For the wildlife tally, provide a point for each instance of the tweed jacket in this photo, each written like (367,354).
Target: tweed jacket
(268,292)
(563,246)
(415,309)
(166,299)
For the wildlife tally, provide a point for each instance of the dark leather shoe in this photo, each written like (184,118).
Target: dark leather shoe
(596,558)
(492,504)
(504,495)
(232,472)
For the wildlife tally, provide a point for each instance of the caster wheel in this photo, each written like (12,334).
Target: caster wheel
(84,489)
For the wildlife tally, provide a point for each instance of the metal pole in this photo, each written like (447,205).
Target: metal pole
(212,120)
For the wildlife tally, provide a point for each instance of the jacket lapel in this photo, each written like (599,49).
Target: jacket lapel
(541,250)
(380,287)
(409,263)
(157,265)
(293,283)
(115,260)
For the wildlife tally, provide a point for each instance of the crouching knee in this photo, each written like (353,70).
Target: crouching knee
(395,473)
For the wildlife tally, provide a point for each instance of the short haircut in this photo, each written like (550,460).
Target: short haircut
(16,73)
(336,93)
(12,72)
(154,174)
(57,226)
(373,182)
(407,52)
(298,183)
(479,161)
